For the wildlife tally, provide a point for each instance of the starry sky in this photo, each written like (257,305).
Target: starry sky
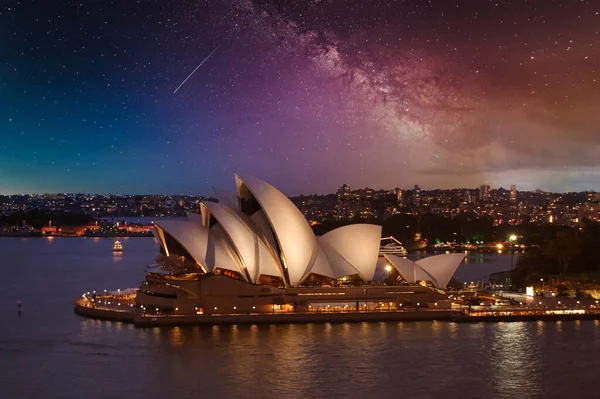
(304,94)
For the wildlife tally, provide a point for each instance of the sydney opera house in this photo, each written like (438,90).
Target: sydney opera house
(254,252)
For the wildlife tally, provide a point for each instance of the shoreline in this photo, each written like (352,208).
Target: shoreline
(41,235)
(148,321)
(516,318)
(259,318)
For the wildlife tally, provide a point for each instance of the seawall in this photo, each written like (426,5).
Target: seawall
(139,320)
(104,314)
(292,318)
(258,318)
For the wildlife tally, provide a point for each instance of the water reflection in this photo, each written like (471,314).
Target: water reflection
(49,346)
(339,360)
(514,359)
(539,328)
(176,336)
(559,327)
(436,327)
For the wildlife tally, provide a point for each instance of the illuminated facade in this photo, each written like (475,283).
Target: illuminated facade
(266,237)
(261,255)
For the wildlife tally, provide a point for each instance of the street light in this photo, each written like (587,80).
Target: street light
(388,270)
(512,238)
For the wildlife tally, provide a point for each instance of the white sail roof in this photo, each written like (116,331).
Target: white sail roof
(221,253)
(273,239)
(241,236)
(263,229)
(158,237)
(340,266)
(193,237)
(441,267)
(422,275)
(206,246)
(296,239)
(438,269)
(380,270)
(194,217)
(404,266)
(158,233)
(269,262)
(255,257)
(321,265)
(358,244)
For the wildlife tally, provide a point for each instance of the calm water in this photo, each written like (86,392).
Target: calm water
(49,352)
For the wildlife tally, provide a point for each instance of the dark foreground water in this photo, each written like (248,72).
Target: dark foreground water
(49,352)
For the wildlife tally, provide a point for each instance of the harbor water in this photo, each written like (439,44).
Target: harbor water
(47,351)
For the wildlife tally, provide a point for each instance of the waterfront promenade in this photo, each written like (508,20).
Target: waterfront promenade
(119,308)
(122,308)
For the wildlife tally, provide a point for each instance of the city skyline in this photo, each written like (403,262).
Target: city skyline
(334,191)
(502,205)
(155,98)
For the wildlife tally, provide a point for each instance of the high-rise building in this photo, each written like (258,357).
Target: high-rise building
(417,195)
(344,191)
(398,193)
(467,196)
(581,213)
(513,194)
(484,191)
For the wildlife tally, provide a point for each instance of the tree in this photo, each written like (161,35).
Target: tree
(402,227)
(589,237)
(536,260)
(434,228)
(563,249)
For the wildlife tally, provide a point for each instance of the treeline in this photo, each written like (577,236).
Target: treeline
(575,250)
(39,219)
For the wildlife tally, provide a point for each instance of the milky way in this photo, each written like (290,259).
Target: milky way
(307,95)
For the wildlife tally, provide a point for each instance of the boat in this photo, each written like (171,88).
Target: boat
(444,246)
(391,246)
(117,247)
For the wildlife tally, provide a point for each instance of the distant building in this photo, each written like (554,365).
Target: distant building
(417,195)
(581,213)
(484,192)
(398,194)
(513,194)
(344,191)
(467,196)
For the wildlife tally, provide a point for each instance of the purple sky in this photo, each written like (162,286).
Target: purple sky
(304,94)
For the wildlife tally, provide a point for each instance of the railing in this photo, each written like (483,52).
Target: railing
(108,302)
(531,311)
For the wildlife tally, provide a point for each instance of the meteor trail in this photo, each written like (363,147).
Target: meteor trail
(199,65)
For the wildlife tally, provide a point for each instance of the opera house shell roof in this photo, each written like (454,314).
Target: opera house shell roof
(265,234)
(438,269)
